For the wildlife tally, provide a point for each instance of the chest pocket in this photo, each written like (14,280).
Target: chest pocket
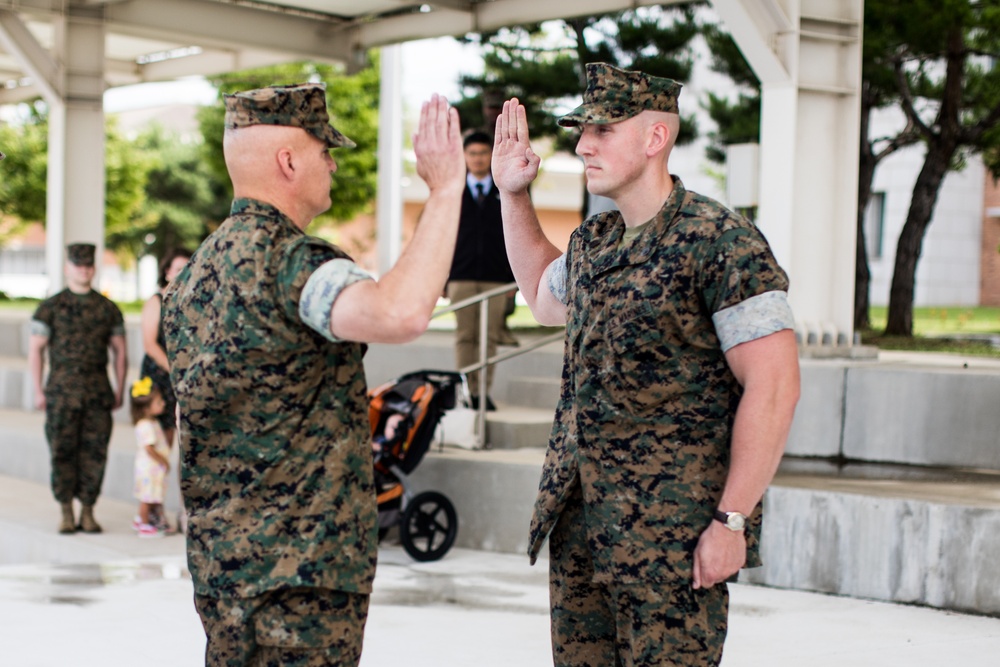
(632,367)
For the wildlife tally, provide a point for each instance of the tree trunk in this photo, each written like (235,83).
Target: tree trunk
(911,239)
(862,274)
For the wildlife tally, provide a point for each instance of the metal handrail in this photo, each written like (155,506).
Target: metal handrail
(483,300)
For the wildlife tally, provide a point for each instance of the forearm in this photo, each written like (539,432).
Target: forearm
(760,430)
(36,365)
(530,252)
(120,355)
(419,276)
(158,355)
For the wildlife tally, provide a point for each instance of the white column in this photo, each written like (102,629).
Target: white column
(75,198)
(807,54)
(389,202)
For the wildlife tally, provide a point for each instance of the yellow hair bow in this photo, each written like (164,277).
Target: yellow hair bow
(142,387)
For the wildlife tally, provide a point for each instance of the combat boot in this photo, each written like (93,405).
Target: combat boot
(87,523)
(67,525)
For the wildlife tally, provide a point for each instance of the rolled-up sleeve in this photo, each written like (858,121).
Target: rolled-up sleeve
(753,318)
(322,289)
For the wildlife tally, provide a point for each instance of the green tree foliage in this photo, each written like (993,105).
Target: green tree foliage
(22,175)
(182,199)
(736,121)
(23,187)
(944,62)
(543,66)
(353,105)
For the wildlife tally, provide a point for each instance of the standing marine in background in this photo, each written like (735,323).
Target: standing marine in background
(77,326)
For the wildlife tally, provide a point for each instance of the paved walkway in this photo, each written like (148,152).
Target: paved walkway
(470,608)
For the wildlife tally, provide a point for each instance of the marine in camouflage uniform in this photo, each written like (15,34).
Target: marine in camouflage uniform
(276,463)
(77,326)
(640,453)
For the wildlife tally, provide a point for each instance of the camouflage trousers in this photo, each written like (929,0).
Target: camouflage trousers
(78,443)
(292,627)
(635,625)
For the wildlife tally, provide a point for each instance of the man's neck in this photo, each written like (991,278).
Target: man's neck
(643,198)
(76,288)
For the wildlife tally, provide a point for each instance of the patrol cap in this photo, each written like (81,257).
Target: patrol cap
(614,95)
(301,105)
(81,254)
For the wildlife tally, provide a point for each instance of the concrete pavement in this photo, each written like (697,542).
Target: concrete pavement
(113,599)
(470,608)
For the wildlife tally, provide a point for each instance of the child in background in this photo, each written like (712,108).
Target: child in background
(151,459)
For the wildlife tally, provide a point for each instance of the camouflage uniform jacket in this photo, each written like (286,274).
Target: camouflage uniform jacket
(79,328)
(275,442)
(648,401)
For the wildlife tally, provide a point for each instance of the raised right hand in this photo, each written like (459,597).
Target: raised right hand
(515,165)
(438,145)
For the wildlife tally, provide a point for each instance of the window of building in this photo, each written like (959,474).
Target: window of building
(875,225)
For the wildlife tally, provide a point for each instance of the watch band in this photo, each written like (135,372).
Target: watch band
(734,521)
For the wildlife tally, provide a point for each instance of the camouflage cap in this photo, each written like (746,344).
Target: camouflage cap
(81,254)
(302,105)
(614,95)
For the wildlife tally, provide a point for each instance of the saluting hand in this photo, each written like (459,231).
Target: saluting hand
(515,165)
(438,145)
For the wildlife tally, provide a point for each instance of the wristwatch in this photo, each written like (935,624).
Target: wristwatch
(734,521)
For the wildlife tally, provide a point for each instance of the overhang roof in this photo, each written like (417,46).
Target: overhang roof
(159,40)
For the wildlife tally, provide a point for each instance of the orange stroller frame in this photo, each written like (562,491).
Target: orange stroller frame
(428,523)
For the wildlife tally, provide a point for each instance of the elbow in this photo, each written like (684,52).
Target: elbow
(409,325)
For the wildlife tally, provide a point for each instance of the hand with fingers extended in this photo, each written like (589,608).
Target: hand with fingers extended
(438,146)
(515,165)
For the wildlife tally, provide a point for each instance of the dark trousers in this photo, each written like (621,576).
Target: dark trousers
(78,442)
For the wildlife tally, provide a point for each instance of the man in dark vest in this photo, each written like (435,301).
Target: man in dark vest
(480,263)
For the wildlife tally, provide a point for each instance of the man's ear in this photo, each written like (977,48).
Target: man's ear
(659,138)
(286,162)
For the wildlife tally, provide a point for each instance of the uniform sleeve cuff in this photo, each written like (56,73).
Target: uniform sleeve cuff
(322,289)
(556,273)
(39,328)
(753,318)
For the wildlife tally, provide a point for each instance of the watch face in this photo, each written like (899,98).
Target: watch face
(735,521)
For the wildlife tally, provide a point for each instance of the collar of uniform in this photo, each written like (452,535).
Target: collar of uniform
(256,207)
(606,246)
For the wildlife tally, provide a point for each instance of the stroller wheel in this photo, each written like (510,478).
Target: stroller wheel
(429,526)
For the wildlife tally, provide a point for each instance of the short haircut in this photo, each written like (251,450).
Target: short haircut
(477,137)
(167,260)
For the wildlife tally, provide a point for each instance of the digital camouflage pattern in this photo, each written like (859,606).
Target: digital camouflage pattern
(78,393)
(302,105)
(292,627)
(276,463)
(81,254)
(648,401)
(614,95)
(596,625)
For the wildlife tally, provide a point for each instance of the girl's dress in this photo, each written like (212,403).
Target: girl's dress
(149,474)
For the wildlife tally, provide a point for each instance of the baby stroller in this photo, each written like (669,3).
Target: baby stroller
(404,414)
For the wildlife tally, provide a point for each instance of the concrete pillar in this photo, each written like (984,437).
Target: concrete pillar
(389,204)
(807,55)
(75,198)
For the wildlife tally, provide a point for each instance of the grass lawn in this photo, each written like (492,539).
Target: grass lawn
(958,330)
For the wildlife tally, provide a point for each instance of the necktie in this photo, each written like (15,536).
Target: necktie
(480,193)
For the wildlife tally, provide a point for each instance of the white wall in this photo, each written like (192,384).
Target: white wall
(948,269)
